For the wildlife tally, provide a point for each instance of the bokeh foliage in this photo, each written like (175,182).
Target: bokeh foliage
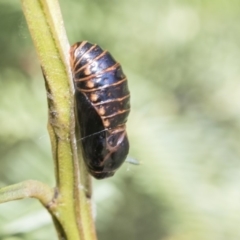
(182,60)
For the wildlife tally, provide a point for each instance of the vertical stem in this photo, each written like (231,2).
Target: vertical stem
(72,206)
(59,101)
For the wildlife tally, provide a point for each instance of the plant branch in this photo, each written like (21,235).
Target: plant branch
(72,206)
(27,189)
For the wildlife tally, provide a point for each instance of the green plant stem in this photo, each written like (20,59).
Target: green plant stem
(72,206)
(27,189)
(57,84)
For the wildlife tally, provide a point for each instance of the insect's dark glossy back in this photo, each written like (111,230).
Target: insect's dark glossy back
(102,99)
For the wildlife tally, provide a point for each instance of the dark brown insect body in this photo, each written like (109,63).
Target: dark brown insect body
(102,100)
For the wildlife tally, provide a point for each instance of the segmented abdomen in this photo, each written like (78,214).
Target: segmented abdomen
(102,99)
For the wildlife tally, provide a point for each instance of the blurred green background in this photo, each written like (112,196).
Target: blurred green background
(182,59)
